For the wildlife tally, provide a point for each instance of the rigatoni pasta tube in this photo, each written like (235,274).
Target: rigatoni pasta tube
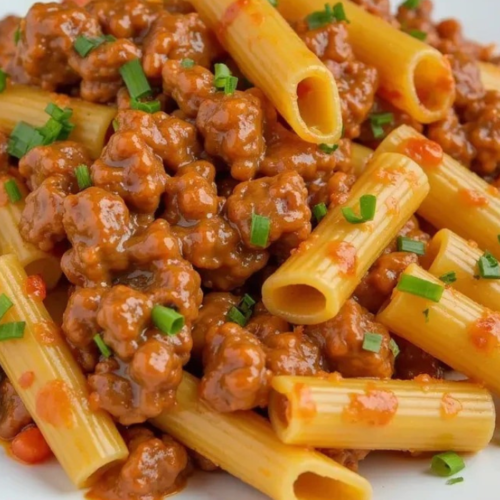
(317,279)
(20,103)
(455,330)
(359,158)
(448,253)
(490,75)
(427,415)
(32,259)
(274,58)
(52,386)
(245,445)
(458,199)
(413,76)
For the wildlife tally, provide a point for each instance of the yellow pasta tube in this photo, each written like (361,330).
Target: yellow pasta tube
(51,385)
(92,121)
(413,76)
(360,414)
(456,330)
(276,60)
(244,445)
(323,272)
(448,253)
(360,156)
(490,75)
(458,199)
(11,242)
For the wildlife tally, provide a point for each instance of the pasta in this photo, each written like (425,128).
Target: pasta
(413,76)
(455,330)
(55,393)
(314,283)
(305,92)
(420,415)
(448,253)
(11,242)
(21,103)
(244,445)
(490,76)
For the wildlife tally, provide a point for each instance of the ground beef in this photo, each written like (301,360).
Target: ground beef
(330,189)
(379,8)
(202,462)
(178,6)
(13,414)
(412,362)
(263,324)
(341,340)
(468,84)
(8,28)
(4,157)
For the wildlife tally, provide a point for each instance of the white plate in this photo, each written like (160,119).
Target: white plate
(392,477)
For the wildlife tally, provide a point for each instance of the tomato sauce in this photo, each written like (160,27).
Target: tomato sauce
(425,152)
(54,404)
(484,334)
(376,407)
(450,407)
(344,255)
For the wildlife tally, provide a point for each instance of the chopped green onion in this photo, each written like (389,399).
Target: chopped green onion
(412,4)
(148,107)
(411,246)
(231,84)
(24,137)
(83,179)
(3,80)
(327,16)
(84,45)
(246,304)
(420,288)
(368,206)
(394,348)
(116,125)
(234,315)
(58,128)
(320,211)
(10,331)
(426,315)
(17,35)
(5,305)
(223,79)
(58,113)
(135,79)
(447,464)
(372,342)
(105,350)
(274,3)
(259,230)
(489,269)
(339,13)
(454,480)
(377,120)
(419,35)
(449,278)
(326,148)
(12,190)
(51,131)
(168,320)
(187,63)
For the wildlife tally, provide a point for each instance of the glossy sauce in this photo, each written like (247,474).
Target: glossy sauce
(35,287)
(26,380)
(344,255)
(47,333)
(425,152)
(54,404)
(374,408)
(473,198)
(484,334)
(304,404)
(450,407)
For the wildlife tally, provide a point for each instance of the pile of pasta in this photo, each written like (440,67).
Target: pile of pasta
(443,309)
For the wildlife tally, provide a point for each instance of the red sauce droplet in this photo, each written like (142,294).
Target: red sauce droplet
(306,407)
(54,404)
(390,95)
(450,407)
(344,254)
(26,380)
(473,198)
(392,205)
(485,333)
(47,333)
(229,16)
(35,287)
(492,190)
(425,381)
(426,153)
(377,407)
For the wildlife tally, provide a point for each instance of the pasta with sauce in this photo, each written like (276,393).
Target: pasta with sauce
(248,235)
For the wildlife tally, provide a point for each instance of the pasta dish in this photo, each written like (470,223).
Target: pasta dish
(256,236)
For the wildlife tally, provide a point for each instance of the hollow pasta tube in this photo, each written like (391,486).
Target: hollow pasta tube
(417,415)
(317,279)
(52,386)
(274,58)
(414,76)
(244,444)
(490,75)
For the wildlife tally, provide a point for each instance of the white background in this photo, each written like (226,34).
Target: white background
(393,477)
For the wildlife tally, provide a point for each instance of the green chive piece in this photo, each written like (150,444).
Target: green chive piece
(368,206)
(454,480)
(167,320)
(274,3)
(13,191)
(339,13)
(83,178)
(9,331)
(449,278)
(327,16)
(224,80)
(246,305)
(148,107)
(326,148)
(24,138)
(372,342)
(489,268)
(234,315)
(377,121)
(58,113)
(105,350)
(5,305)
(420,288)
(3,80)
(135,79)
(259,230)
(116,125)
(84,45)
(187,63)
(320,211)
(393,346)
(17,35)
(426,315)
(447,464)
(411,246)
(412,4)
(419,35)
